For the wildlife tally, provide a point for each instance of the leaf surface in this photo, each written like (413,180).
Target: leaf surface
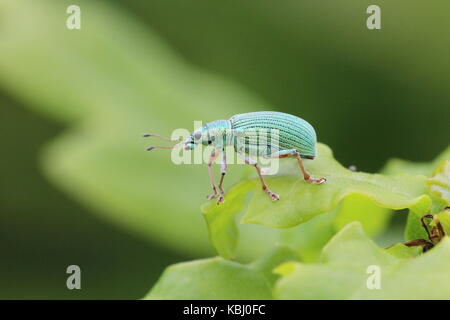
(216,278)
(301,201)
(346,271)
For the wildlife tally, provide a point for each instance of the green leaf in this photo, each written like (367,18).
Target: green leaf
(217,278)
(301,201)
(268,262)
(439,184)
(414,229)
(111,82)
(444,218)
(221,222)
(399,166)
(438,187)
(359,207)
(210,279)
(309,238)
(399,250)
(345,270)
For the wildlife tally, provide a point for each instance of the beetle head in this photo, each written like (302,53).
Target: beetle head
(193,139)
(200,136)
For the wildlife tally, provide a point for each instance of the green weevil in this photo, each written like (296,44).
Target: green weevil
(289,136)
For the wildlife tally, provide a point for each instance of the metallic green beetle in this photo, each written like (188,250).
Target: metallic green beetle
(266,133)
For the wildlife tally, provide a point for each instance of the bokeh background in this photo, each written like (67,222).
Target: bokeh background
(76,186)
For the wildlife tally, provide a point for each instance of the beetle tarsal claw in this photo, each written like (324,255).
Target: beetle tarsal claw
(275,197)
(317,181)
(221,200)
(150,148)
(271,194)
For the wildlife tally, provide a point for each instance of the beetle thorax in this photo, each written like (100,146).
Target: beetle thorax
(217,133)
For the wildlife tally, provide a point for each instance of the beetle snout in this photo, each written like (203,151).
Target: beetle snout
(189,144)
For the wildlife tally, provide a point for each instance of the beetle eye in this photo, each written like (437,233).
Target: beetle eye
(209,141)
(197,135)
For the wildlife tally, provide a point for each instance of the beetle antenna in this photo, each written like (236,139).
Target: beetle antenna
(158,147)
(159,137)
(161,147)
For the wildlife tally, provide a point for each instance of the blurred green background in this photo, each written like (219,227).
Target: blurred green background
(77,187)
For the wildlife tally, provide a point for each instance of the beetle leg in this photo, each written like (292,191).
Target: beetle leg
(223,171)
(306,175)
(254,163)
(212,158)
(295,153)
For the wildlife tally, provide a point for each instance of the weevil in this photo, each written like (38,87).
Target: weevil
(267,133)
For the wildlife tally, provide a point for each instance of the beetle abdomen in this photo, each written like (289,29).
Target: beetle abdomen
(294,132)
